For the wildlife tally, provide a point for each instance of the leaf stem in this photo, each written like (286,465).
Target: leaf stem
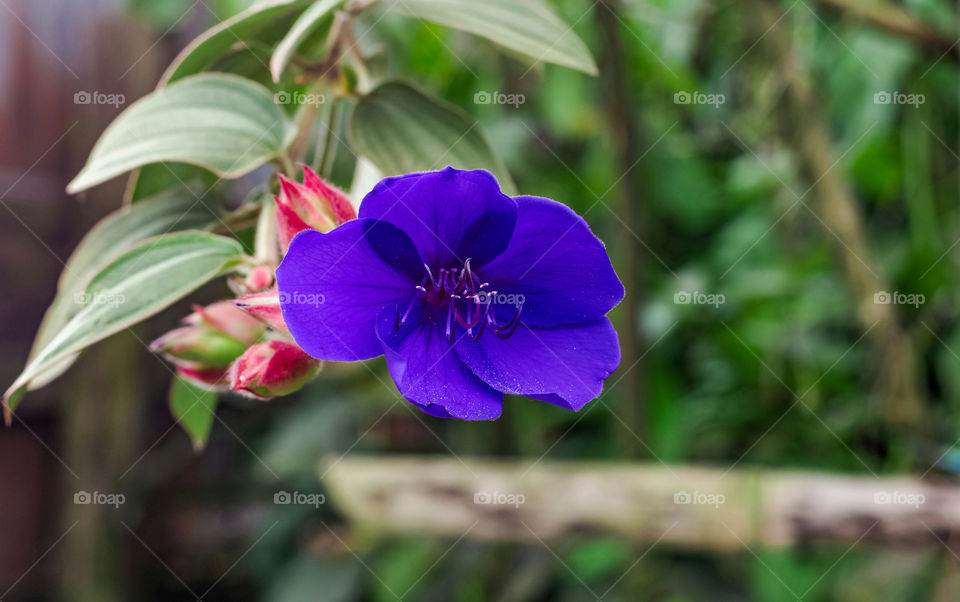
(324,164)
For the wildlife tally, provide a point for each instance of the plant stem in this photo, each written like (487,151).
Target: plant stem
(896,21)
(286,164)
(624,131)
(305,120)
(324,164)
(804,129)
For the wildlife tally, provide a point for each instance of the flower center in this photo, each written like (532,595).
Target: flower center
(466,300)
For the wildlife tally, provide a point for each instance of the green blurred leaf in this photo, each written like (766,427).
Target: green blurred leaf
(529,27)
(598,558)
(309,21)
(112,236)
(402,130)
(402,569)
(193,408)
(239,29)
(224,123)
(781,574)
(167,178)
(140,283)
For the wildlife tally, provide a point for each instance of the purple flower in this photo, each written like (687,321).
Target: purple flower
(469,293)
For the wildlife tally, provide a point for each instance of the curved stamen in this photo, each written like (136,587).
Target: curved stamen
(510,327)
(430,275)
(468,304)
(450,313)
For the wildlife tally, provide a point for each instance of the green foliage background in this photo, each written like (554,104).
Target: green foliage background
(717,217)
(715,213)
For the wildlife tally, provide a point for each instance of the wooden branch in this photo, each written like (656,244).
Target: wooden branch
(531,501)
(894,20)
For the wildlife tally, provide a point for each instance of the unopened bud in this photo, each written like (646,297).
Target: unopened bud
(272,369)
(227,318)
(264,306)
(314,204)
(210,379)
(200,346)
(210,340)
(259,279)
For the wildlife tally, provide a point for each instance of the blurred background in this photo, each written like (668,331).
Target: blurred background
(777,184)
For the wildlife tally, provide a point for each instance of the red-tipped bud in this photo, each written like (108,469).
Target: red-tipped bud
(215,380)
(340,207)
(264,306)
(314,204)
(211,339)
(272,369)
(200,346)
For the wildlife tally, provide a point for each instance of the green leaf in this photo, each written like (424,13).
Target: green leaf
(140,283)
(402,130)
(124,228)
(112,236)
(526,26)
(308,22)
(193,408)
(221,122)
(163,178)
(263,21)
(595,559)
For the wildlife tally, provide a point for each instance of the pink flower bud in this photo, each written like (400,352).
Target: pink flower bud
(272,369)
(259,279)
(210,340)
(314,204)
(264,306)
(226,317)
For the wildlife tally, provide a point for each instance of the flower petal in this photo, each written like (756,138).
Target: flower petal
(333,285)
(450,215)
(557,264)
(427,371)
(564,365)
